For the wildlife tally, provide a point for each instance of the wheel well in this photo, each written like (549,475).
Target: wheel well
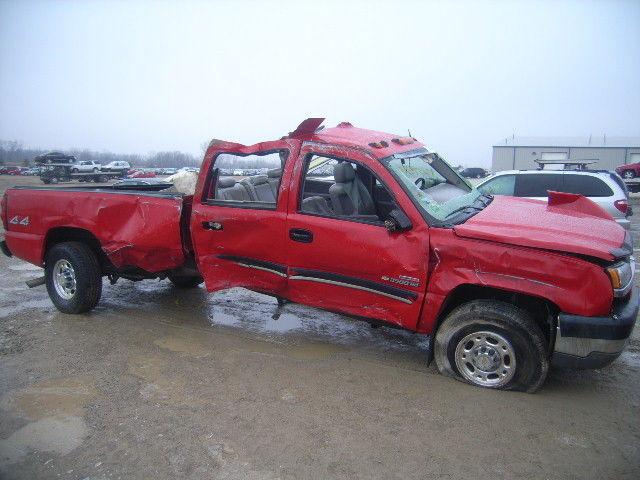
(543,311)
(70,234)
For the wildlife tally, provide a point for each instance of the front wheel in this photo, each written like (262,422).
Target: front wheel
(628,174)
(492,344)
(73,277)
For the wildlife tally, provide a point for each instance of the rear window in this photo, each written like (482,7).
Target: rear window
(586,185)
(537,185)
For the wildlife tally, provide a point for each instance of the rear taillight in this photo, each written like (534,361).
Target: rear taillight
(621,205)
(3,210)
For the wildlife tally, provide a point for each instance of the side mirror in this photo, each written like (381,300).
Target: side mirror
(397,221)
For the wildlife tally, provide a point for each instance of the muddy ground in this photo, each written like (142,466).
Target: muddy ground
(162,383)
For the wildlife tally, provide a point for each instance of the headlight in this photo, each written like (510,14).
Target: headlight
(621,275)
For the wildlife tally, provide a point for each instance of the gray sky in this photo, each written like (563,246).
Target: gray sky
(143,76)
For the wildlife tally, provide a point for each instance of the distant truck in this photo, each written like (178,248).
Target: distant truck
(503,285)
(57,173)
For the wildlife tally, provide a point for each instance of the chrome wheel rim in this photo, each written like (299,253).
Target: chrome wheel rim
(64,279)
(486,359)
(628,174)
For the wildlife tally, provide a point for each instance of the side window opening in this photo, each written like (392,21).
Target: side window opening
(247,180)
(342,189)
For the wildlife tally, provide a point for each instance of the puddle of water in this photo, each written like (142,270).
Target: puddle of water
(159,383)
(249,311)
(59,434)
(186,344)
(65,396)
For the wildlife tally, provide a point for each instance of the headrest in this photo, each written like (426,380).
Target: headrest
(274,173)
(259,179)
(226,182)
(343,172)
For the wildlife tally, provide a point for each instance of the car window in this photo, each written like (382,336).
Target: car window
(339,188)
(586,185)
(248,191)
(537,185)
(502,185)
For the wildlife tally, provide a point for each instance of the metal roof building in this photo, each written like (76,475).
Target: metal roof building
(520,153)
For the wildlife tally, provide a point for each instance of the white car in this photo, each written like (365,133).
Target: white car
(116,166)
(603,187)
(86,166)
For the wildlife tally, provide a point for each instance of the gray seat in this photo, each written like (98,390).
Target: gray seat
(348,194)
(316,205)
(229,189)
(259,189)
(274,179)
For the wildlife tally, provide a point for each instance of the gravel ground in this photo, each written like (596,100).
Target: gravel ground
(161,383)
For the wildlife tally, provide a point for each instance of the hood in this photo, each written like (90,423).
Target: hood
(566,223)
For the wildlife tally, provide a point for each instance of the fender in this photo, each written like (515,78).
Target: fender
(575,285)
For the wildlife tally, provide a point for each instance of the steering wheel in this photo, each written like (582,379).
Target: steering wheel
(420,183)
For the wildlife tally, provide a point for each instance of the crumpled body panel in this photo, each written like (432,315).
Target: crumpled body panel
(574,285)
(134,230)
(575,225)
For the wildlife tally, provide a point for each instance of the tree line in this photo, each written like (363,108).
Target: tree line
(15,153)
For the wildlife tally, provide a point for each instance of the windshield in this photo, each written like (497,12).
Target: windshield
(438,189)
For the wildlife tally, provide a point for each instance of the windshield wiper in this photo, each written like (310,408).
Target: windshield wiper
(483,199)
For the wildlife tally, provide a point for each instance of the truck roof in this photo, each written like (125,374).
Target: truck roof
(379,144)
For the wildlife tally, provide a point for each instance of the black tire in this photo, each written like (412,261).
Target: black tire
(531,362)
(54,180)
(95,170)
(74,170)
(185,282)
(628,174)
(88,277)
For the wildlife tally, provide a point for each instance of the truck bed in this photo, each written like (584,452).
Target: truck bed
(135,228)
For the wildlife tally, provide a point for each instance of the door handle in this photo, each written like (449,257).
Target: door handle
(212,225)
(301,235)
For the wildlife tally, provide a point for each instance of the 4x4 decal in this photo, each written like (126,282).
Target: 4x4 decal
(19,221)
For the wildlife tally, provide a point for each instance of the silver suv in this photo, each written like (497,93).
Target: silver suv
(603,187)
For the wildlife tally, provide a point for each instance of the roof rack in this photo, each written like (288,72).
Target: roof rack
(566,164)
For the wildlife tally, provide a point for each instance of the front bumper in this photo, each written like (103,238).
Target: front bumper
(594,342)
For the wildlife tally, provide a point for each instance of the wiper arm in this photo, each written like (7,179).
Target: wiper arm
(466,207)
(483,199)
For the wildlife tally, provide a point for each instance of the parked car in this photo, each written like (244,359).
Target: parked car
(86,166)
(474,172)
(12,171)
(117,166)
(604,188)
(630,170)
(503,285)
(55,157)
(141,174)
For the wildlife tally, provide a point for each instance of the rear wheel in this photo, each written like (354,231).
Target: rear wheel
(74,170)
(73,277)
(628,174)
(185,282)
(492,344)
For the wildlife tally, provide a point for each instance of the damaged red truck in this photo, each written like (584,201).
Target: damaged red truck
(364,223)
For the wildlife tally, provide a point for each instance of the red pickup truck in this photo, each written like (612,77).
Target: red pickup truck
(365,223)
